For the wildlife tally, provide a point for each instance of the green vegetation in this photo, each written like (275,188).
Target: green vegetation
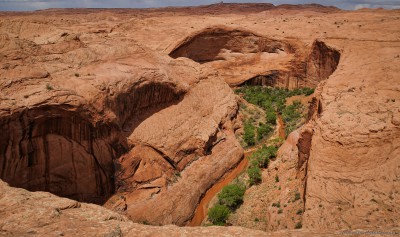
(296,196)
(254,173)
(229,199)
(257,129)
(260,159)
(299,212)
(218,214)
(298,225)
(249,134)
(145,222)
(270,117)
(272,101)
(232,196)
(77,74)
(49,87)
(262,156)
(177,174)
(278,205)
(277,142)
(263,131)
(292,115)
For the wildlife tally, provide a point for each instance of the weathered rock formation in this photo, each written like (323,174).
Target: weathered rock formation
(267,62)
(221,43)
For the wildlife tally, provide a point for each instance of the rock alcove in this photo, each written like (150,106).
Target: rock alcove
(62,150)
(268,62)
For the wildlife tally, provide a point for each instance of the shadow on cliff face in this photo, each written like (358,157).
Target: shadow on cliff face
(308,72)
(138,103)
(52,149)
(319,65)
(59,149)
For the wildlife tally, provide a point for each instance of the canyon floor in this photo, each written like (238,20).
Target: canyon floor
(134,111)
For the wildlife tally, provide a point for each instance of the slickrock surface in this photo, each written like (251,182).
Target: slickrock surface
(43,214)
(133,109)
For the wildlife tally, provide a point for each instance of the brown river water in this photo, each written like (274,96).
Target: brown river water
(201,210)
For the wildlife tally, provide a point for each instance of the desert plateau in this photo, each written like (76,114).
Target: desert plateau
(229,119)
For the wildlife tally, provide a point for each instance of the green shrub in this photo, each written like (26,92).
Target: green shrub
(271,117)
(269,98)
(299,212)
(232,195)
(262,156)
(280,211)
(298,225)
(292,116)
(276,178)
(254,173)
(263,131)
(49,87)
(218,214)
(249,134)
(296,196)
(308,91)
(272,101)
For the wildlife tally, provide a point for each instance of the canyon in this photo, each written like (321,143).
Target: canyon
(133,111)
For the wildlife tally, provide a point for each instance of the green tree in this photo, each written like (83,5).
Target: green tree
(218,214)
(249,134)
(232,195)
(263,130)
(262,156)
(271,117)
(254,173)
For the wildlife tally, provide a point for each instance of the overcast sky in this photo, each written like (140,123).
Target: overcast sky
(28,5)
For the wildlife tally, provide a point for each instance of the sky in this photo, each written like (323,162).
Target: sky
(29,5)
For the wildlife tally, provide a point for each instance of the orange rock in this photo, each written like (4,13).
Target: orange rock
(93,108)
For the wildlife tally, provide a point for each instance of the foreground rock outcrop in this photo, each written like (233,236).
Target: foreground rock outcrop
(43,214)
